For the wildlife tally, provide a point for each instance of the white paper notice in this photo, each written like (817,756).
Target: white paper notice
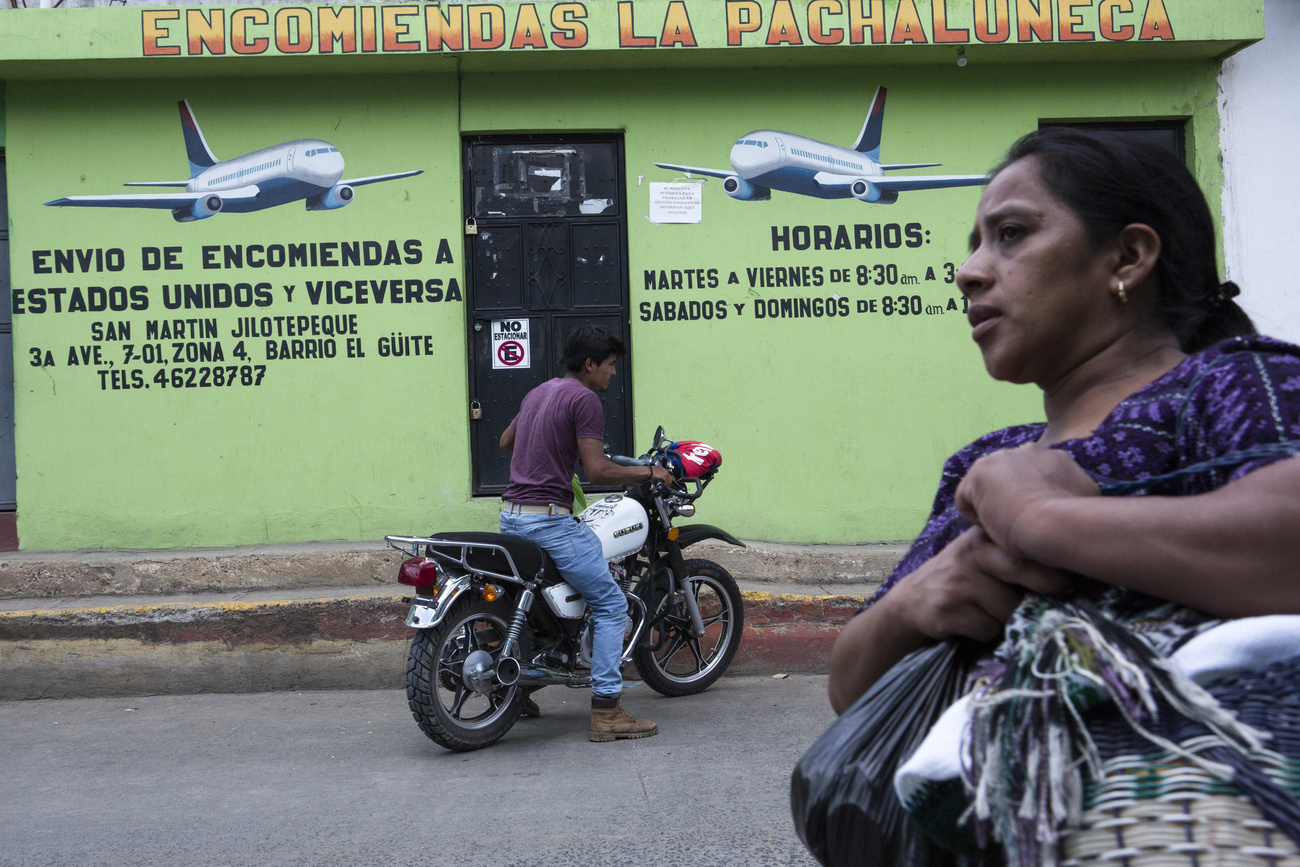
(511,348)
(676,203)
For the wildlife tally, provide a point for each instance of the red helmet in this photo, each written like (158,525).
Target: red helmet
(695,459)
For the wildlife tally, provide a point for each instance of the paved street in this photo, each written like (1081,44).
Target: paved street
(346,778)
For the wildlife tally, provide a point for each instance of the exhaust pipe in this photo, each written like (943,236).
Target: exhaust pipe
(544,676)
(507,671)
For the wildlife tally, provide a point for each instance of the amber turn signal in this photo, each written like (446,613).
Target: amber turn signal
(673,533)
(491,592)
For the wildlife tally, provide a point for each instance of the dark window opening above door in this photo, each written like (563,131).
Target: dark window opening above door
(1169,134)
(538,179)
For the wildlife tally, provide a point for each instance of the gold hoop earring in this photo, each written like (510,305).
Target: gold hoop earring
(1123,296)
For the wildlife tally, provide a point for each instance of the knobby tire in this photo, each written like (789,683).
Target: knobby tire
(435,689)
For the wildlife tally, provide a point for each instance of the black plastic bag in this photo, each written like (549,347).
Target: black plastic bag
(842,790)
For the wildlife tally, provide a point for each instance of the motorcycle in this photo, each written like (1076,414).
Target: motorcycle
(484,640)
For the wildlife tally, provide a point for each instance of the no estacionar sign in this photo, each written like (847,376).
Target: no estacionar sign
(510,345)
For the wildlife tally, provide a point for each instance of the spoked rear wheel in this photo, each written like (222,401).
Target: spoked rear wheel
(672,662)
(450,687)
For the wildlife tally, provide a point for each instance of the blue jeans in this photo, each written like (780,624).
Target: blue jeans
(577,553)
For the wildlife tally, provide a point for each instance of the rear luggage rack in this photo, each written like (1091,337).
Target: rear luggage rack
(412,544)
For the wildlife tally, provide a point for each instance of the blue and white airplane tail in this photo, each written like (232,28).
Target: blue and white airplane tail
(869,139)
(196,148)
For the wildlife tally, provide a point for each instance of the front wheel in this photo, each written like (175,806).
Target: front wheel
(452,692)
(674,663)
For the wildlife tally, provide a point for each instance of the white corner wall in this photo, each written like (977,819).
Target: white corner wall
(1259,109)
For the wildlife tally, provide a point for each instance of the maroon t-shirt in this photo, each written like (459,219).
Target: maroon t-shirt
(551,419)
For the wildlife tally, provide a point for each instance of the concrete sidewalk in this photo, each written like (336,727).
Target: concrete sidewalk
(330,616)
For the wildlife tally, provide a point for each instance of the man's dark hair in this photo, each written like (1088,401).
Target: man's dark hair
(1110,180)
(596,342)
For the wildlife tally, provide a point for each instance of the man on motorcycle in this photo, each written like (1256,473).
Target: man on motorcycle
(559,422)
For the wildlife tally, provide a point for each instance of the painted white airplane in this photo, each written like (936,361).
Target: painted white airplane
(302,169)
(767,160)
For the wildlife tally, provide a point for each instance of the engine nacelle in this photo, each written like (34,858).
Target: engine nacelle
(202,208)
(739,188)
(331,199)
(865,191)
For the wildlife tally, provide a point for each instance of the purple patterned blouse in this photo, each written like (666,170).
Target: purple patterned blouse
(1240,394)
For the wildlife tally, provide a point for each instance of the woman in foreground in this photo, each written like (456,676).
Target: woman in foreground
(1093,276)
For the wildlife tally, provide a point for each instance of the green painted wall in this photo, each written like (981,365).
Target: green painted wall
(323,448)
(832,429)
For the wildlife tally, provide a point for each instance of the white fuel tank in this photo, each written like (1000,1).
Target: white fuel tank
(620,524)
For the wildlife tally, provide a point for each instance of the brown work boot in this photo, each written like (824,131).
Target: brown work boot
(609,722)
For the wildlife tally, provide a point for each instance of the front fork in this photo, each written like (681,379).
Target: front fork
(678,565)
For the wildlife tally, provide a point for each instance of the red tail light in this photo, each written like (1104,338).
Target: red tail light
(418,572)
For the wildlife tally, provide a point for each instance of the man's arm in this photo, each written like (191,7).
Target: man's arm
(507,442)
(602,471)
(1232,552)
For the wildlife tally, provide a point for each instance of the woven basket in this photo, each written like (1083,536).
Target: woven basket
(1155,809)
(1160,811)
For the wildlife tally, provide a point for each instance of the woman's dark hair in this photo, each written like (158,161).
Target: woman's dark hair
(596,342)
(1109,180)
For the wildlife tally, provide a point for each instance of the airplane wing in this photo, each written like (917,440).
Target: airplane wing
(892,166)
(156,184)
(929,182)
(374,179)
(169,201)
(831,180)
(692,170)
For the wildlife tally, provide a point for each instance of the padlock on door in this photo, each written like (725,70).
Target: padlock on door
(471,226)
(475,411)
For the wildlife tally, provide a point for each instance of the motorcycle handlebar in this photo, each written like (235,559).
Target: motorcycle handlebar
(644,461)
(656,457)
(677,488)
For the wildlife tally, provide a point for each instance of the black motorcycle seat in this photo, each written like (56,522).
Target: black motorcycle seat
(529,558)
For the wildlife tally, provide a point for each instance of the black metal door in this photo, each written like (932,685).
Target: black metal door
(546,248)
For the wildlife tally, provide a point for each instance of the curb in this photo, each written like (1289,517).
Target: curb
(312,565)
(345,566)
(328,615)
(351,640)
